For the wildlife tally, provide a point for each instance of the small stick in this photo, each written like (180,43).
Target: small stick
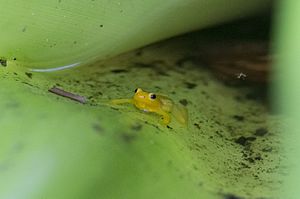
(69,95)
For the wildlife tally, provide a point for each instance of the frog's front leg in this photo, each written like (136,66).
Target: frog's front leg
(121,101)
(166,119)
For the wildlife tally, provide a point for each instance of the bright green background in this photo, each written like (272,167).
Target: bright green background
(286,90)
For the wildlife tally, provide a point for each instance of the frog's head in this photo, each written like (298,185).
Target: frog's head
(144,97)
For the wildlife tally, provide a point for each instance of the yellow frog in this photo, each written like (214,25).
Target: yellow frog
(160,104)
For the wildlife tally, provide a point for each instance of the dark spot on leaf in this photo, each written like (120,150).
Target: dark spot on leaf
(241,140)
(158,63)
(251,138)
(136,127)
(197,125)
(3,62)
(184,102)
(114,108)
(231,196)
(142,65)
(98,129)
(31,85)
(245,165)
(258,158)
(169,127)
(28,75)
(77,81)
(147,123)
(101,25)
(126,137)
(190,85)
(219,134)
(261,132)
(119,71)
(250,160)
(244,140)
(238,118)
(139,53)
(238,98)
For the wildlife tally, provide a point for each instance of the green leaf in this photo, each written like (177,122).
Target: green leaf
(50,34)
(53,147)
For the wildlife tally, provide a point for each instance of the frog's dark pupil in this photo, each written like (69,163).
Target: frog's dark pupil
(153,96)
(135,90)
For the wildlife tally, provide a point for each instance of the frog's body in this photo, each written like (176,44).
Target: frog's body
(160,104)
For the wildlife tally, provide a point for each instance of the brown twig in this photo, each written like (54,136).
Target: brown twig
(69,95)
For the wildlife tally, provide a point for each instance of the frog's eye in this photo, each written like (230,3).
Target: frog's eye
(152,96)
(135,90)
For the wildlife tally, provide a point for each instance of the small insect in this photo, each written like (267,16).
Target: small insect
(241,76)
(156,103)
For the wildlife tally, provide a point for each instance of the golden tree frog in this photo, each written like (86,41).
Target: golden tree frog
(156,103)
